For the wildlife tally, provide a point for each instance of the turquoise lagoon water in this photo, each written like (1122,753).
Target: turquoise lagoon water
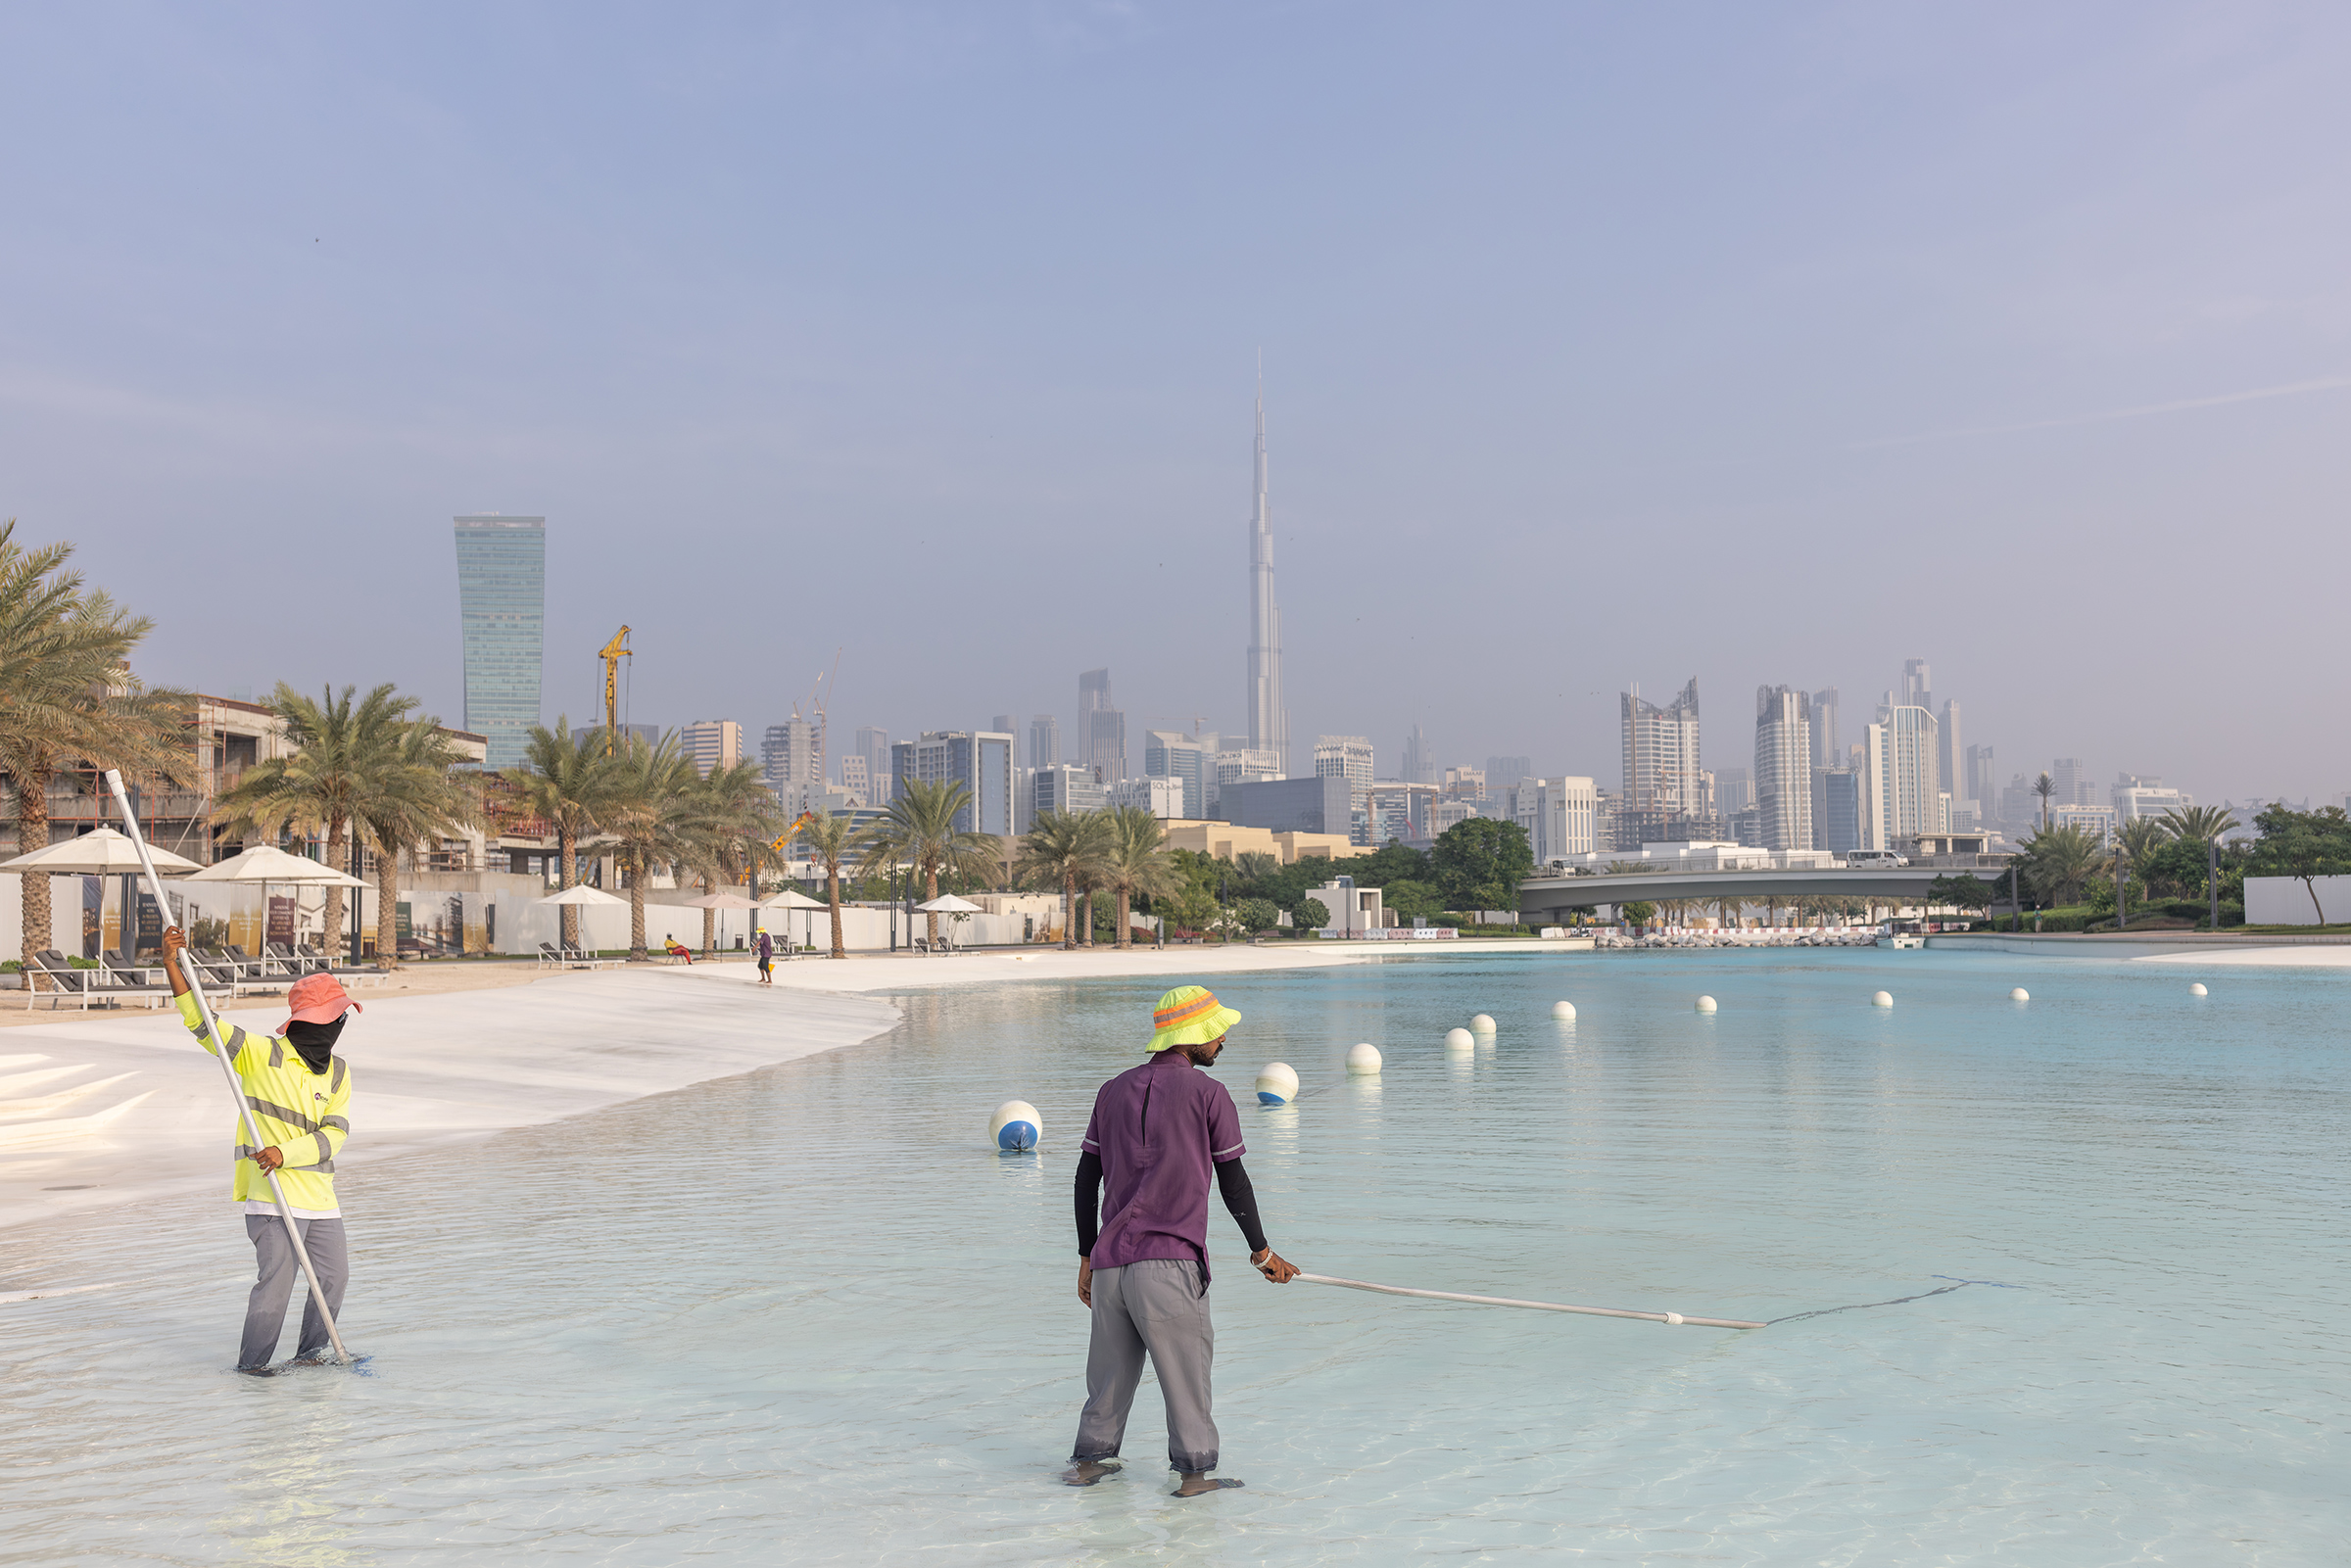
(808,1315)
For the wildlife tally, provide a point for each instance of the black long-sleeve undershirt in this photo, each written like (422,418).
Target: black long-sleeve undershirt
(1233,1185)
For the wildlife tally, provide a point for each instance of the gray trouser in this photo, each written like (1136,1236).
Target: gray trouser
(1158,1305)
(273,1283)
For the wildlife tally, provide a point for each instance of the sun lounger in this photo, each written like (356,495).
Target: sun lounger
(578,957)
(84,986)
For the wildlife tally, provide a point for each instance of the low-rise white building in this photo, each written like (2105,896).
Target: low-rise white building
(1558,816)
(1162,797)
(1353,909)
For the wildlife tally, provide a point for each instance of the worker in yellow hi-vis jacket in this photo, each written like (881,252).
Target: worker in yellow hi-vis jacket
(299,1094)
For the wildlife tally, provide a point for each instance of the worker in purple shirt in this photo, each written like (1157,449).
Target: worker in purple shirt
(1158,1132)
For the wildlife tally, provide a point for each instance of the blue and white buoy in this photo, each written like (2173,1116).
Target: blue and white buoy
(1016,1126)
(1276,1084)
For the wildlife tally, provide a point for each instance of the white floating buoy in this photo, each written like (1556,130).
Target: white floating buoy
(1483,1023)
(1706,1004)
(1460,1040)
(1882,999)
(1673,1318)
(2020,994)
(1562,1009)
(1276,1084)
(1016,1126)
(1362,1058)
(2197,990)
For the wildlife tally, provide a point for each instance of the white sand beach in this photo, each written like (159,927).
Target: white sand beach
(2311,957)
(115,1108)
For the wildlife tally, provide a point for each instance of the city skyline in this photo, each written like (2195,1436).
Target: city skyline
(1519,399)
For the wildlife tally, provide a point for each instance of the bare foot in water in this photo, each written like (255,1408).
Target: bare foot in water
(1196,1482)
(1086,1472)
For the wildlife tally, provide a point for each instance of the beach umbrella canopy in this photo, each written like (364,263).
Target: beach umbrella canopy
(792,898)
(583,894)
(267,863)
(949,904)
(101,853)
(718,901)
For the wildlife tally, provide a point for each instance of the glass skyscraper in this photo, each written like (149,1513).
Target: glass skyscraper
(502,605)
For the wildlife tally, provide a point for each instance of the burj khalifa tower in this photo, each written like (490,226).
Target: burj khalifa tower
(1269,720)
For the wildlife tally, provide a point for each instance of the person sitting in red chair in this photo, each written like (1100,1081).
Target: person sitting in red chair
(678,949)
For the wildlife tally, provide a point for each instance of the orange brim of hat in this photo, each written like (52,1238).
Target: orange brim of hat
(1199,1021)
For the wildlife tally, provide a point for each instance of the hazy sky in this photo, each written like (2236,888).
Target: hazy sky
(1603,343)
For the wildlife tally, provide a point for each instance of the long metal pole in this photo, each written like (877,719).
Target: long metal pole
(1675,1319)
(236,1088)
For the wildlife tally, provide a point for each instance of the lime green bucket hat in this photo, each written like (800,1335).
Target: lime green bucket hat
(1189,1015)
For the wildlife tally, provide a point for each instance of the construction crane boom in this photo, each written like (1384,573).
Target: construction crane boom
(612,653)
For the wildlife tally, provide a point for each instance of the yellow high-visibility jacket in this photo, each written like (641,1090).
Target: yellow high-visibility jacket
(300,1113)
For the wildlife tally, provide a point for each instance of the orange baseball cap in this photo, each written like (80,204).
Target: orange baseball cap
(318,999)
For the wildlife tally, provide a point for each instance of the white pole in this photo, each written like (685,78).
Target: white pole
(1540,1306)
(236,1088)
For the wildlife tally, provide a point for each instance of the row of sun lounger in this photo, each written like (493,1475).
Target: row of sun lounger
(119,981)
(570,954)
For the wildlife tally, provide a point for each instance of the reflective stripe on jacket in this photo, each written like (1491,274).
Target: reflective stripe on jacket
(303,1114)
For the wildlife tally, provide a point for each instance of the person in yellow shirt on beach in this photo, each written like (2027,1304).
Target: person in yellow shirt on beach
(299,1094)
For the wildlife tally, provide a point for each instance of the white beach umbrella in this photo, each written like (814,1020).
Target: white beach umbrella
(792,898)
(582,895)
(949,904)
(267,863)
(103,852)
(721,900)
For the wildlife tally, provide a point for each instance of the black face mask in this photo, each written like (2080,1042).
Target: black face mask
(314,1041)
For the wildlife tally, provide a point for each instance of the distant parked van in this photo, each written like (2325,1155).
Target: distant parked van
(1874,859)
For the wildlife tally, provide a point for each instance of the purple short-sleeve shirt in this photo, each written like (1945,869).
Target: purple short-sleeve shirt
(1159,1129)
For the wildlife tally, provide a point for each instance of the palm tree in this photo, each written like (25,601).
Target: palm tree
(2142,837)
(66,696)
(2057,861)
(1062,847)
(341,750)
(1726,910)
(414,800)
(730,821)
(831,841)
(920,832)
(566,781)
(2044,787)
(1133,862)
(2202,824)
(1252,866)
(651,816)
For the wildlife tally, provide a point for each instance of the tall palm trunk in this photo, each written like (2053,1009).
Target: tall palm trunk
(387,915)
(636,876)
(1125,937)
(1069,910)
(832,897)
(930,894)
(1088,940)
(571,914)
(333,940)
(709,919)
(33,832)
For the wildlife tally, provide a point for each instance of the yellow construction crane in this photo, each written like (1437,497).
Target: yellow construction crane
(612,653)
(792,831)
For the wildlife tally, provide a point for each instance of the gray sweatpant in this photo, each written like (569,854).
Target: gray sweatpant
(1161,1305)
(274,1282)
